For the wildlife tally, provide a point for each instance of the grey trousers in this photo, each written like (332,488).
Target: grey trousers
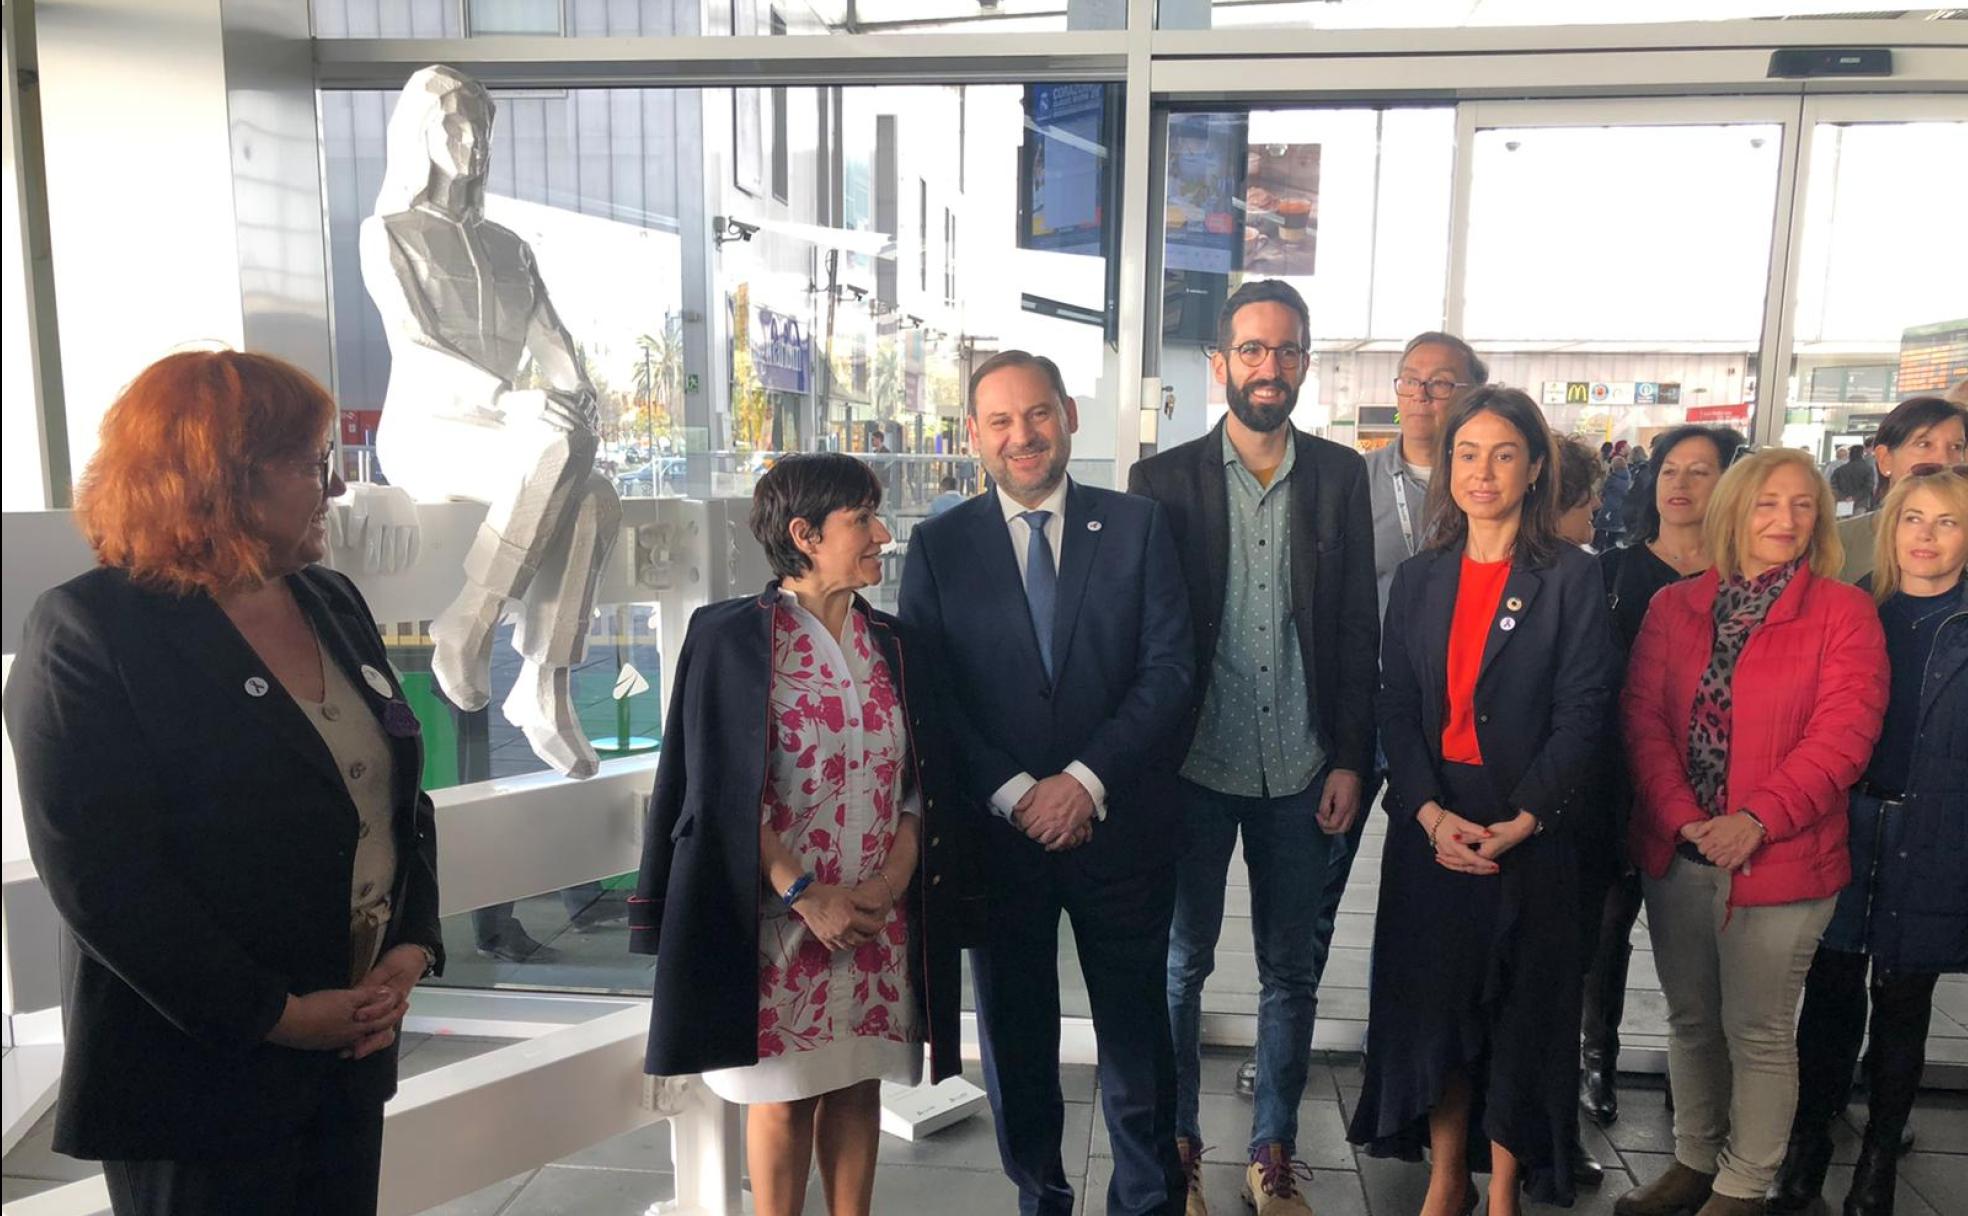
(1732,981)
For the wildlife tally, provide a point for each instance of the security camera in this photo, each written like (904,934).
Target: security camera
(725,229)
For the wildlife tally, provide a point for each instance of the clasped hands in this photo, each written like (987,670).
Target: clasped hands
(846,918)
(1057,812)
(354,1022)
(1726,840)
(1470,848)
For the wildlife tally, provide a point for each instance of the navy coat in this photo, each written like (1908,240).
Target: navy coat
(1541,694)
(1907,904)
(697,895)
(197,839)
(1123,660)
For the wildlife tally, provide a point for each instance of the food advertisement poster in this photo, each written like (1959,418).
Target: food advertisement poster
(1203,219)
(1281,209)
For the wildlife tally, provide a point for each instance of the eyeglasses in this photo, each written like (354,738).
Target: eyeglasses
(1291,356)
(1928,468)
(1439,389)
(322,466)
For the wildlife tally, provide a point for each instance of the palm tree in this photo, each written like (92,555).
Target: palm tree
(658,373)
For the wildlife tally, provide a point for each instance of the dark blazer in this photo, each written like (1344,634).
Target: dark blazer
(1541,695)
(1121,650)
(697,895)
(197,842)
(1335,601)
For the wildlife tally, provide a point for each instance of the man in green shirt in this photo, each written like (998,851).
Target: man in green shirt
(1275,534)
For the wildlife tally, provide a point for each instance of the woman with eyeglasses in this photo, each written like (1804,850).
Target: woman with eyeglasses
(1905,913)
(1497,664)
(219,774)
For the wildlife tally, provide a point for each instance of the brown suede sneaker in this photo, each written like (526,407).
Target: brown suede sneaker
(1271,1183)
(1678,1192)
(1192,1170)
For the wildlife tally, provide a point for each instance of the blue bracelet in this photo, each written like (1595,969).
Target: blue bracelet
(792,893)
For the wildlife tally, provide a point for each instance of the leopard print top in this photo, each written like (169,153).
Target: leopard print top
(1740,606)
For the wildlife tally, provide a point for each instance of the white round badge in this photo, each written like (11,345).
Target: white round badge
(255,686)
(377,681)
(1507,624)
(1093,525)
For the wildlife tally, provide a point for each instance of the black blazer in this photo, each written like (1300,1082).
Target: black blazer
(1121,651)
(1541,694)
(1334,595)
(198,843)
(697,894)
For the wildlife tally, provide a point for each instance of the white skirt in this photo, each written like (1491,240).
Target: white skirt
(808,1074)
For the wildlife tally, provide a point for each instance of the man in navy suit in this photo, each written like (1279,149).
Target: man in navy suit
(1056,615)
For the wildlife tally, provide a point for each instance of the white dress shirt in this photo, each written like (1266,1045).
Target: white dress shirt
(1005,801)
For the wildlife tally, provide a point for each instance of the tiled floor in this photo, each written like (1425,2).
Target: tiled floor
(955,1172)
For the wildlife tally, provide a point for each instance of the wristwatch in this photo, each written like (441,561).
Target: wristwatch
(430,961)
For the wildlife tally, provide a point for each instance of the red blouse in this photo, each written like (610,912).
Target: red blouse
(1477,596)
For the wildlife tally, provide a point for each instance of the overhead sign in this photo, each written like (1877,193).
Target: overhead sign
(1608,392)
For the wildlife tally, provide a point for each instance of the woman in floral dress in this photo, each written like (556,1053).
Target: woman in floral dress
(791,811)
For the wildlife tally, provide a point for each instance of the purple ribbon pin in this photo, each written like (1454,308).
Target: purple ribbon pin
(399,720)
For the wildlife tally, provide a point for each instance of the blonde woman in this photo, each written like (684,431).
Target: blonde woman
(1905,913)
(1752,702)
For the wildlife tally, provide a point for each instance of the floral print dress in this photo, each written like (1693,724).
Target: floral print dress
(835,791)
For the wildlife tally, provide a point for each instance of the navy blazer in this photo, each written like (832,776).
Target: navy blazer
(1541,694)
(198,842)
(1121,651)
(696,905)
(1335,599)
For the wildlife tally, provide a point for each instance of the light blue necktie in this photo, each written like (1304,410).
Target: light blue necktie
(1041,582)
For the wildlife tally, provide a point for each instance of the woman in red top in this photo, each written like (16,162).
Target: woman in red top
(1752,702)
(1497,668)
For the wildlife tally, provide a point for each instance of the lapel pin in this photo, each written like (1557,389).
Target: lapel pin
(400,720)
(1513,603)
(1507,624)
(1093,525)
(255,686)
(377,681)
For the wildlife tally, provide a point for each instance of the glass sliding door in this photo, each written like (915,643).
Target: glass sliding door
(1618,260)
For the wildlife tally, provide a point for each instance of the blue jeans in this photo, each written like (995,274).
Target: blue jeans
(1286,855)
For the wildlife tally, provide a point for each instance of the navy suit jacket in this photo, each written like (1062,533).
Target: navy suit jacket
(1122,654)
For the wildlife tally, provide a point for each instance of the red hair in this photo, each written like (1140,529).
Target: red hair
(170,493)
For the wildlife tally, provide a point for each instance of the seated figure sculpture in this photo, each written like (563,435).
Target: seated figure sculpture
(466,316)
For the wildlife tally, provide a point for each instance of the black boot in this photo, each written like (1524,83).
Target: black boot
(1598,1099)
(1586,1170)
(1800,1180)
(1873,1178)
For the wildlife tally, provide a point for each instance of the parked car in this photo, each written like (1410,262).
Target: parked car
(659,477)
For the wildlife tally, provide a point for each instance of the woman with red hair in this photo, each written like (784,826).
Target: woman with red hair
(219,775)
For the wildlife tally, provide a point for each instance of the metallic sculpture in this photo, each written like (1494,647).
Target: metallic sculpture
(466,314)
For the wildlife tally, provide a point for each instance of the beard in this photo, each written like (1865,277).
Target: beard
(1261,418)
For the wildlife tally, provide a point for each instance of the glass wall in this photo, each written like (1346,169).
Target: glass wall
(1618,273)
(747,272)
(682,18)
(1882,284)
(1351,206)
(1450,14)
